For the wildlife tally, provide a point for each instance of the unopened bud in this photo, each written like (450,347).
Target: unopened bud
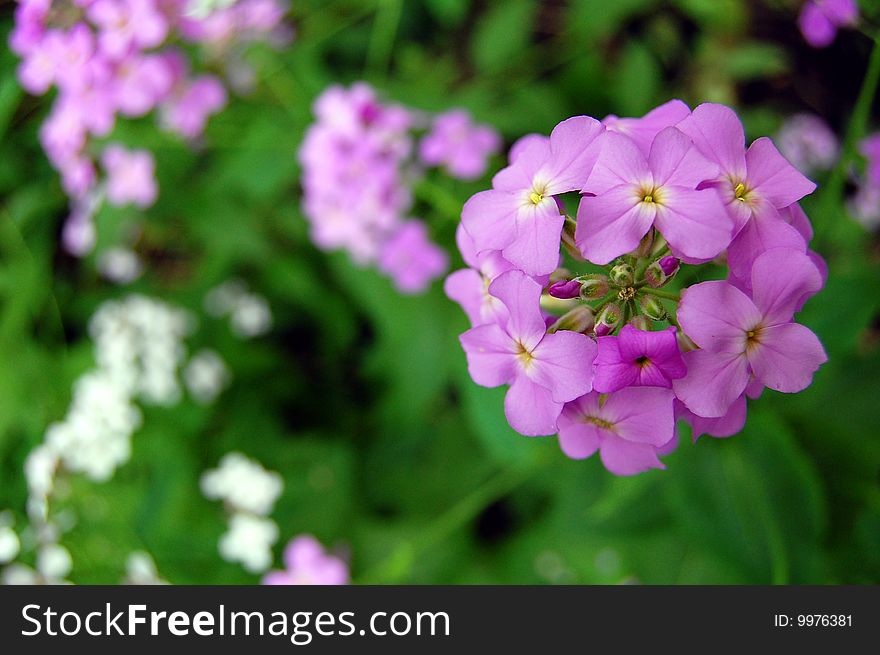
(608,319)
(622,275)
(593,286)
(653,308)
(579,319)
(565,289)
(640,323)
(661,271)
(645,245)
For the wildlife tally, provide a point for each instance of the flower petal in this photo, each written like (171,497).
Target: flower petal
(623,457)
(718,134)
(781,279)
(535,249)
(716,315)
(489,217)
(786,357)
(490,354)
(641,414)
(675,160)
(612,224)
(695,223)
(563,363)
(522,297)
(713,382)
(575,145)
(773,177)
(530,409)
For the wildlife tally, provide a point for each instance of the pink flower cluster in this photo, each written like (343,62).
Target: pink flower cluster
(359,168)
(307,563)
(598,348)
(112,58)
(819,20)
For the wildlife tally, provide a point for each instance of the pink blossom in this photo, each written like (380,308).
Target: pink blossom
(307,563)
(141,82)
(755,184)
(127,24)
(644,130)
(130,176)
(411,259)
(192,102)
(740,337)
(30,25)
(724,426)
(544,370)
(469,287)
(819,20)
(520,216)
(627,193)
(459,144)
(808,143)
(627,428)
(638,358)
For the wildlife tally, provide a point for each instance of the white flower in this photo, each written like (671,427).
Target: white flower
(140,569)
(120,265)
(243,483)
(206,376)
(249,540)
(54,562)
(9,544)
(19,574)
(249,314)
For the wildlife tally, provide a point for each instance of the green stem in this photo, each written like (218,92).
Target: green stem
(397,565)
(857,127)
(382,38)
(660,293)
(440,198)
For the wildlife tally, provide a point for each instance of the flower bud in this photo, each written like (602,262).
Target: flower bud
(622,275)
(669,264)
(608,319)
(579,319)
(661,271)
(645,245)
(685,343)
(640,322)
(653,308)
(593,286)
(565,289)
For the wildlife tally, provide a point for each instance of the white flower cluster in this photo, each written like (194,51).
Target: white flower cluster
(140,569)
(139,351)
(249,492)
(249,314)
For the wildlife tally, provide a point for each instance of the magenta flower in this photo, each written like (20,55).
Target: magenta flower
(819,20)
(644,130)
(740,337)
(469,287)
(627,428)
(519,215)
(544,370)
(307,563)
(458,144)
(130,176)
(411,259)
(628,193)
(638,358)
(754,184)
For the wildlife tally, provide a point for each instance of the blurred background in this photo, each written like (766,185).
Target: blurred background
(358,396)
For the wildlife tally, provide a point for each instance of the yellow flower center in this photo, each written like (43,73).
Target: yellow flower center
(740,192)
(523,355)
(536,197)
(599,422)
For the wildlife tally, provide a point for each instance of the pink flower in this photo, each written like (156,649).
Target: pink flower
(724,426)
(627,193)
(808,143)
(740,337)
(187,110)
(141,82)
(307,563)
(627,428)
(869,147)
(130,176)
(469,287)
(544,370)
(458,144)
(638,358)
(520,216)
(644,130)
(127,24)
(411,259)
(30,25)
(820,19)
